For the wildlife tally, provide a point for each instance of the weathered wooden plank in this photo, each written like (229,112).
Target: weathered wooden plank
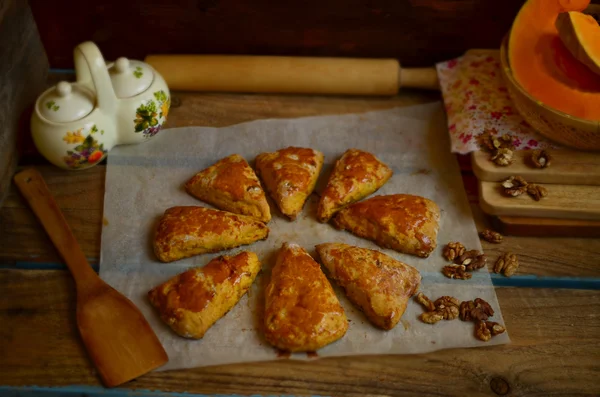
(220,110)
(23,71)
(418,32)
(554,350)
(543,256)
(80,195)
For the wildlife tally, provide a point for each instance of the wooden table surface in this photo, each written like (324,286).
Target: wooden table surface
(555,332)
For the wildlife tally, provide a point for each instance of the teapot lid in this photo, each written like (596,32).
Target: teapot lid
(66,102)
(130,78)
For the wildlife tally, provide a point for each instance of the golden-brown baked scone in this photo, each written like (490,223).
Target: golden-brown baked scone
(302,312)
(188,230)
(355,175)
(402,222)
(191,302)
(231,185)
(378,284)
(290,176)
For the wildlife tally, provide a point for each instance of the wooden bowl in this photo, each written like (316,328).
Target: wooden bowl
(558,126)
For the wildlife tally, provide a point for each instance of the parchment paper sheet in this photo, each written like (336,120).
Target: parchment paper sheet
(144,180)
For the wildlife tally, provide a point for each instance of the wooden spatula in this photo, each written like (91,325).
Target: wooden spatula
(118,339)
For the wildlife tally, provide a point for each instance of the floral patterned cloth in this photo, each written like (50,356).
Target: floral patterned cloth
(477,100)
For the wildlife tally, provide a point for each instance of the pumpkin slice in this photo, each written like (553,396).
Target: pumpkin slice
(544,67)
(580,33)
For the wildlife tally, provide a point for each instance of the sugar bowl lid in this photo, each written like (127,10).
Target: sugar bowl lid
(129,77)
(66,102)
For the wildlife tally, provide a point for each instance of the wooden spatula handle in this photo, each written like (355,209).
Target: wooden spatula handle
(34,189)
(115,333)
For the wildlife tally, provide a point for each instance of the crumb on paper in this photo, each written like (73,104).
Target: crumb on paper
(422,171)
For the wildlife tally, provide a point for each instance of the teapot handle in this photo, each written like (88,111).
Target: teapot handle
(90,65)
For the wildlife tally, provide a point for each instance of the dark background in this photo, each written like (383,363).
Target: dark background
(417,32)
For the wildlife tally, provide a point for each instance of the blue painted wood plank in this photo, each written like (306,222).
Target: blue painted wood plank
(46,265)
(93,391)
(522,281)
(62,71)
(532,281)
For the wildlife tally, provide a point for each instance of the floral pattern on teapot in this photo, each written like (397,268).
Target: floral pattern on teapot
(87,152)
(151,114)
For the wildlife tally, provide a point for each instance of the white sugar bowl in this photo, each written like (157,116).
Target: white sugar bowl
(74,125)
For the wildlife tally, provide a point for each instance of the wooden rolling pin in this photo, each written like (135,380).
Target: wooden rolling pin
(297,75)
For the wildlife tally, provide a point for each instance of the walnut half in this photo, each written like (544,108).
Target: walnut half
(448,306)
(507,264)
(475,310)
(491,236)
(425,301)
(472,260)
(484,330)
(503,157)
(536,191)
(453,250)
(431,317)
(514,186)
(506,141)
(456,271)
(540,158)
(489,140)
(486,140)
(444,308)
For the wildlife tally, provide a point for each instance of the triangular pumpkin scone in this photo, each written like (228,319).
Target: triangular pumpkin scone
(191,302)
(402,222)
(302,313)
(231,185)
(290,176)
(187,231)
(355,175)
(378,284)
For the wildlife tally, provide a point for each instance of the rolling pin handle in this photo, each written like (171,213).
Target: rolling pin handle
(423,78)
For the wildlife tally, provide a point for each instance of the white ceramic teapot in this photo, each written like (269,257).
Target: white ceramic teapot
(74,125)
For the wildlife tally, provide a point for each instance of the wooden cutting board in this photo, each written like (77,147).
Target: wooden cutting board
(545,227)
(563,202)
(571,208)
(568,167)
